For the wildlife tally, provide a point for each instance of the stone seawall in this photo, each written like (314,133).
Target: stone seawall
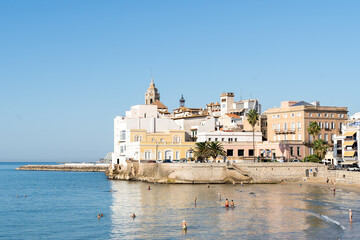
(65,168)
(217,172)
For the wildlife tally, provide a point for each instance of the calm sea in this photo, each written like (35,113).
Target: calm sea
(64,205)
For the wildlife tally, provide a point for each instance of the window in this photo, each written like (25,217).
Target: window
(235,140)
(230,152)
(332,115)
(278,138)
(209,139)
(319,136)
(121,149)
(319,114)
(326,138)
(285,137)
(123,135)
(326,125)
(299,136)
(332,137)
(274,137)
(299,114)
(293,126)
(310,114)
(137,138)
(230,139)
(153,140)
(240,152)
(291,151)
(222,139)
(147,155)
(332,125)
(293,115)
(285,126)
(294,137)
(326,115)
(177,139)
(340,126)
(216,139)
(251,152)
(159,157)
(274,126)
(298,151)
(299,126)
(278,126)
(285,115)
(177,155)
(321,125)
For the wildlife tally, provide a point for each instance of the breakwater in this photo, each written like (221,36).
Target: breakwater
(66,168)
(217,172)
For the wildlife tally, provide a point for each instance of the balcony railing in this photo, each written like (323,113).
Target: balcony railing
(284,131)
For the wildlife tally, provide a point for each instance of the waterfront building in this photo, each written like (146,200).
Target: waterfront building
(145,134)
(346,144)
(288,124)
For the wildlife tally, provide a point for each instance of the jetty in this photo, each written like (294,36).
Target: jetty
(68,167)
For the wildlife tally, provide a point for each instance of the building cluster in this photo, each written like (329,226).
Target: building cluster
(152,132)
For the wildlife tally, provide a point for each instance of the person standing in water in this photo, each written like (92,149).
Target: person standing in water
(184,225)
(195,200)
(232,203)
(226,203)
(133,216)
(350,215)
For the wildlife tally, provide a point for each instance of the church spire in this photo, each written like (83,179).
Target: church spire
(152,93)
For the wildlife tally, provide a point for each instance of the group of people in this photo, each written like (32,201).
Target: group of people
(231,204)
(100,215)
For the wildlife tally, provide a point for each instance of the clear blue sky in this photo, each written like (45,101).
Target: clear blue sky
(67,68)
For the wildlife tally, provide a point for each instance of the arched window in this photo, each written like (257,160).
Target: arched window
(147,155)
(137,138)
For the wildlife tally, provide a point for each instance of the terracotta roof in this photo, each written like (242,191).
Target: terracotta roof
(233,116)
(159,104)
(217,104)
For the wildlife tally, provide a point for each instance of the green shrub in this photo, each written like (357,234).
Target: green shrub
(312,158)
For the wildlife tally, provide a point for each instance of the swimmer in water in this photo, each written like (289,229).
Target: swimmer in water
(102,215)
(226,203)
(350,215)
(98,216)
(184,225)
(133,215)
(232,203)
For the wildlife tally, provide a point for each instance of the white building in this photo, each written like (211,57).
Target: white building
(196,124)
(346,145)
(139,117)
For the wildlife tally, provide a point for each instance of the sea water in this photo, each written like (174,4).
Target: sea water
(65,205)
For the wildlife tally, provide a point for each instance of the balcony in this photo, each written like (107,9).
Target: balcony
(285,131)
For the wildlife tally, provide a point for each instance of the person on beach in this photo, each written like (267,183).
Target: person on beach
(327,180)
(148,187)
(226,203)
(208,185)
(219,195)
(195,200)
(133,215)
(232,203)
(350,215)
(184,225)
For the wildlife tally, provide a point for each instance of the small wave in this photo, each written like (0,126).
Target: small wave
(324,218)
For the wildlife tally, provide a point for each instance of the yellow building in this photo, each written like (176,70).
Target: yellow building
(159,145)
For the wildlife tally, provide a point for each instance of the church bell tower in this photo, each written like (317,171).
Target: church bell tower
(152,93)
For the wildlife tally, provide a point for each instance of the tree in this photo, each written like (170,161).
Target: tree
(202,150)
(312,158)
(215,149)
(320,147)
(253,118)
(313,129)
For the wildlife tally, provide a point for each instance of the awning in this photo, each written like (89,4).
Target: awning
(349,134)
(349,143)
(349,153)
(349,162)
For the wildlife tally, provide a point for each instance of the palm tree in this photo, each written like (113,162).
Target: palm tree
(313,129)
(253,118)
(202,150)
(215,149)
(320,147)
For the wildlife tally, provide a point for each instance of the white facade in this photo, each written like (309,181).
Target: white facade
(222,136)
(195,125)
(139,117)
